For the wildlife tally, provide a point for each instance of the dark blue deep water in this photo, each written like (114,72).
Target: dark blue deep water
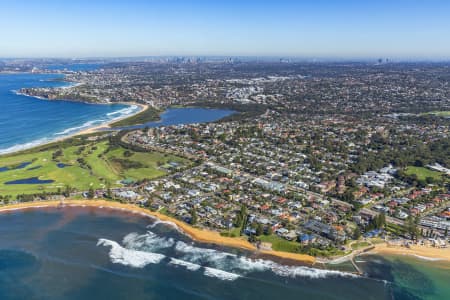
(84,253)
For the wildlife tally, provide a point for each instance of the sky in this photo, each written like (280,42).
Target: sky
(312,29)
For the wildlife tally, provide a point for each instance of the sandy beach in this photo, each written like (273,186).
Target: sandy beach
(106,125)
(90,130)
(200,235)
(213,237)
(424,252)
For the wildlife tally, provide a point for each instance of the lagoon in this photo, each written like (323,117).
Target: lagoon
(26,122)
(184,116)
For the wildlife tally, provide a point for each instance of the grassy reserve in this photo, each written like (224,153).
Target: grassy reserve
(422,173)
(440,113)
(81,166)
(280,244)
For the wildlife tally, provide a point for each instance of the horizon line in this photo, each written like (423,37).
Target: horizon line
(385,58)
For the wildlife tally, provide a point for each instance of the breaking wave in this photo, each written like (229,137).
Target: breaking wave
(158,222)
(233,263)
(138,251)
(146,242)
(212,272)
(128,257)
(86,125)
(124,111)
(188,265)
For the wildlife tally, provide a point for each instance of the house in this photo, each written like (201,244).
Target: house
(306,239)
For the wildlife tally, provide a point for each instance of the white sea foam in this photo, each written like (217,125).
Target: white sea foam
(148,242)
(129,257)
(138,251)
(212,272)
(427,258)
(124,111)
(28,145)
(243,265)
(158,222)
(188,265)
(86,125)
(72,130)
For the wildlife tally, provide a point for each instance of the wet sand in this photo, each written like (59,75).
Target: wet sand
(200,235)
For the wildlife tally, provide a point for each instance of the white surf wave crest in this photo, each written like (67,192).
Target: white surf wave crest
(129,257)
(159,222)
(86,125)
(188,265)
(243,265)
(217,273)
(24,146)
(124,111)
(148,242)
(137,251)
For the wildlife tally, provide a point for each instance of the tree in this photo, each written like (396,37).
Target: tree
(67,191)
(241,217)
(108,190)
(193,216)
(269,230)
(412,227)
(91,193)
(356,233)
(259,230)
(381,220)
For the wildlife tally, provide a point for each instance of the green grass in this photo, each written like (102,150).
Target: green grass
(439,113)
(233,232)
(422,173)
(360,245)
(280,244)
(97,171)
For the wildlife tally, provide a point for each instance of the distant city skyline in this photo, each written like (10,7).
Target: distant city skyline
(344,29)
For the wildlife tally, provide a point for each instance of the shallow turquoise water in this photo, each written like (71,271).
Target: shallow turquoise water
(410,277)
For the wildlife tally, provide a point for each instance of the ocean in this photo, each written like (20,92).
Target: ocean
(28,121)
(93,253)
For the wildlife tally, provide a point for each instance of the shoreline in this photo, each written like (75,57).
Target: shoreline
(213,237)
(90,130)
(96,128)
(107,125)
(196,234)
(415,251)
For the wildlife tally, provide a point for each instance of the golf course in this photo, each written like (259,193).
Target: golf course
(81,165)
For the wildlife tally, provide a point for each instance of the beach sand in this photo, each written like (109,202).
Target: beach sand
(200,235)
(106,125)
(213,237)
(425,252)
